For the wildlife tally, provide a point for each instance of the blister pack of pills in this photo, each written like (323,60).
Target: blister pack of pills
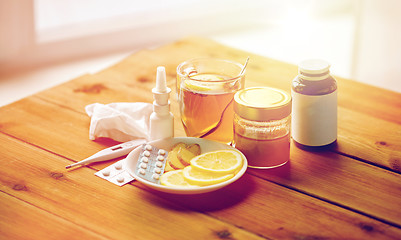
(116,174)
(151,163)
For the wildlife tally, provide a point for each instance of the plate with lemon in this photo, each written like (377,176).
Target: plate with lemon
(193,165)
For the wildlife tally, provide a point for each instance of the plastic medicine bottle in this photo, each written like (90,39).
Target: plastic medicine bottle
(262,123)
(314,105)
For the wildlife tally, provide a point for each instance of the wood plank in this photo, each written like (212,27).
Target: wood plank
(250,205)
(88,89)
(334,178)
(369,138)
(21,220)
(38,177)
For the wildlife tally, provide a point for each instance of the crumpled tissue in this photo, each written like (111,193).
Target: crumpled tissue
(119,121)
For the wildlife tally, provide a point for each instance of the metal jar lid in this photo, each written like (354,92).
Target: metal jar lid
(262,103)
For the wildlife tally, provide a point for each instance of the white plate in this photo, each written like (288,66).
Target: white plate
(206,146)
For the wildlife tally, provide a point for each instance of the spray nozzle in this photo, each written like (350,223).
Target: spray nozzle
(161,91)
(161,85)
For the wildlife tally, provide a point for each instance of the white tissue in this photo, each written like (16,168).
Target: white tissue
(119,121)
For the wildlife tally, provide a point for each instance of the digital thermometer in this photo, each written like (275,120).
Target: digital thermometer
(111,152)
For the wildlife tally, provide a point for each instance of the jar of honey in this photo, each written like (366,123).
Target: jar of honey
(262,123)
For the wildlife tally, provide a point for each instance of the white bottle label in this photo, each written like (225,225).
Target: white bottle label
(314,118)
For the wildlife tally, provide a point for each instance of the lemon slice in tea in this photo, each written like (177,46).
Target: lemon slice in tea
(195,86)
(204,82)
(219,162)
(207,77)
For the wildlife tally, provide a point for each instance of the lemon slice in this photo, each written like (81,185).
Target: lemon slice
(194,86)
(203,178)
(207,77)
(175,179)
(204,83)
(221,162)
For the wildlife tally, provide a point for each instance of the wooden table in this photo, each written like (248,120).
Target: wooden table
(351,192)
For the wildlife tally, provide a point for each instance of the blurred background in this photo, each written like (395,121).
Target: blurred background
(46,42)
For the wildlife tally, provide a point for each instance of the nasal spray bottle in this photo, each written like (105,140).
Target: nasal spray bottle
(161,120)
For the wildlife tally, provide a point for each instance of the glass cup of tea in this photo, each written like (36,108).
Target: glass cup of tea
(206,88)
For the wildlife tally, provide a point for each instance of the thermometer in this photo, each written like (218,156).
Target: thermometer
(111,152)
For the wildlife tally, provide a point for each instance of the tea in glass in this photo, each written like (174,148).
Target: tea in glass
(206,89)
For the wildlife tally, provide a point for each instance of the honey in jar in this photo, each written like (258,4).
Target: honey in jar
(262,123)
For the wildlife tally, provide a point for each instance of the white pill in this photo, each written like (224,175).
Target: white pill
(158,170)
(162,152)
(120,179)
(156,176)
(160,158)
(148,147)
(118,165)
(145,159)
(146,153)
(106,172)
(144,165)
(159,164)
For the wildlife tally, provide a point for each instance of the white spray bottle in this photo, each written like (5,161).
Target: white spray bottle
(161,120)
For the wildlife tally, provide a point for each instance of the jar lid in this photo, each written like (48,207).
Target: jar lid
(314,66)
(262,103)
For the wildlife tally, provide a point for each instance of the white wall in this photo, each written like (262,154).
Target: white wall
(377,56)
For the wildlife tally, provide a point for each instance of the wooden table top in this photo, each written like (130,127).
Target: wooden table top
(350,192)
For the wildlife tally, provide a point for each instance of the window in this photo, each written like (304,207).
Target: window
(43,31)
(47,31)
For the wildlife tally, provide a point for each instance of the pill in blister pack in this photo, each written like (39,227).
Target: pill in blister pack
(116,174)
(151,163)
